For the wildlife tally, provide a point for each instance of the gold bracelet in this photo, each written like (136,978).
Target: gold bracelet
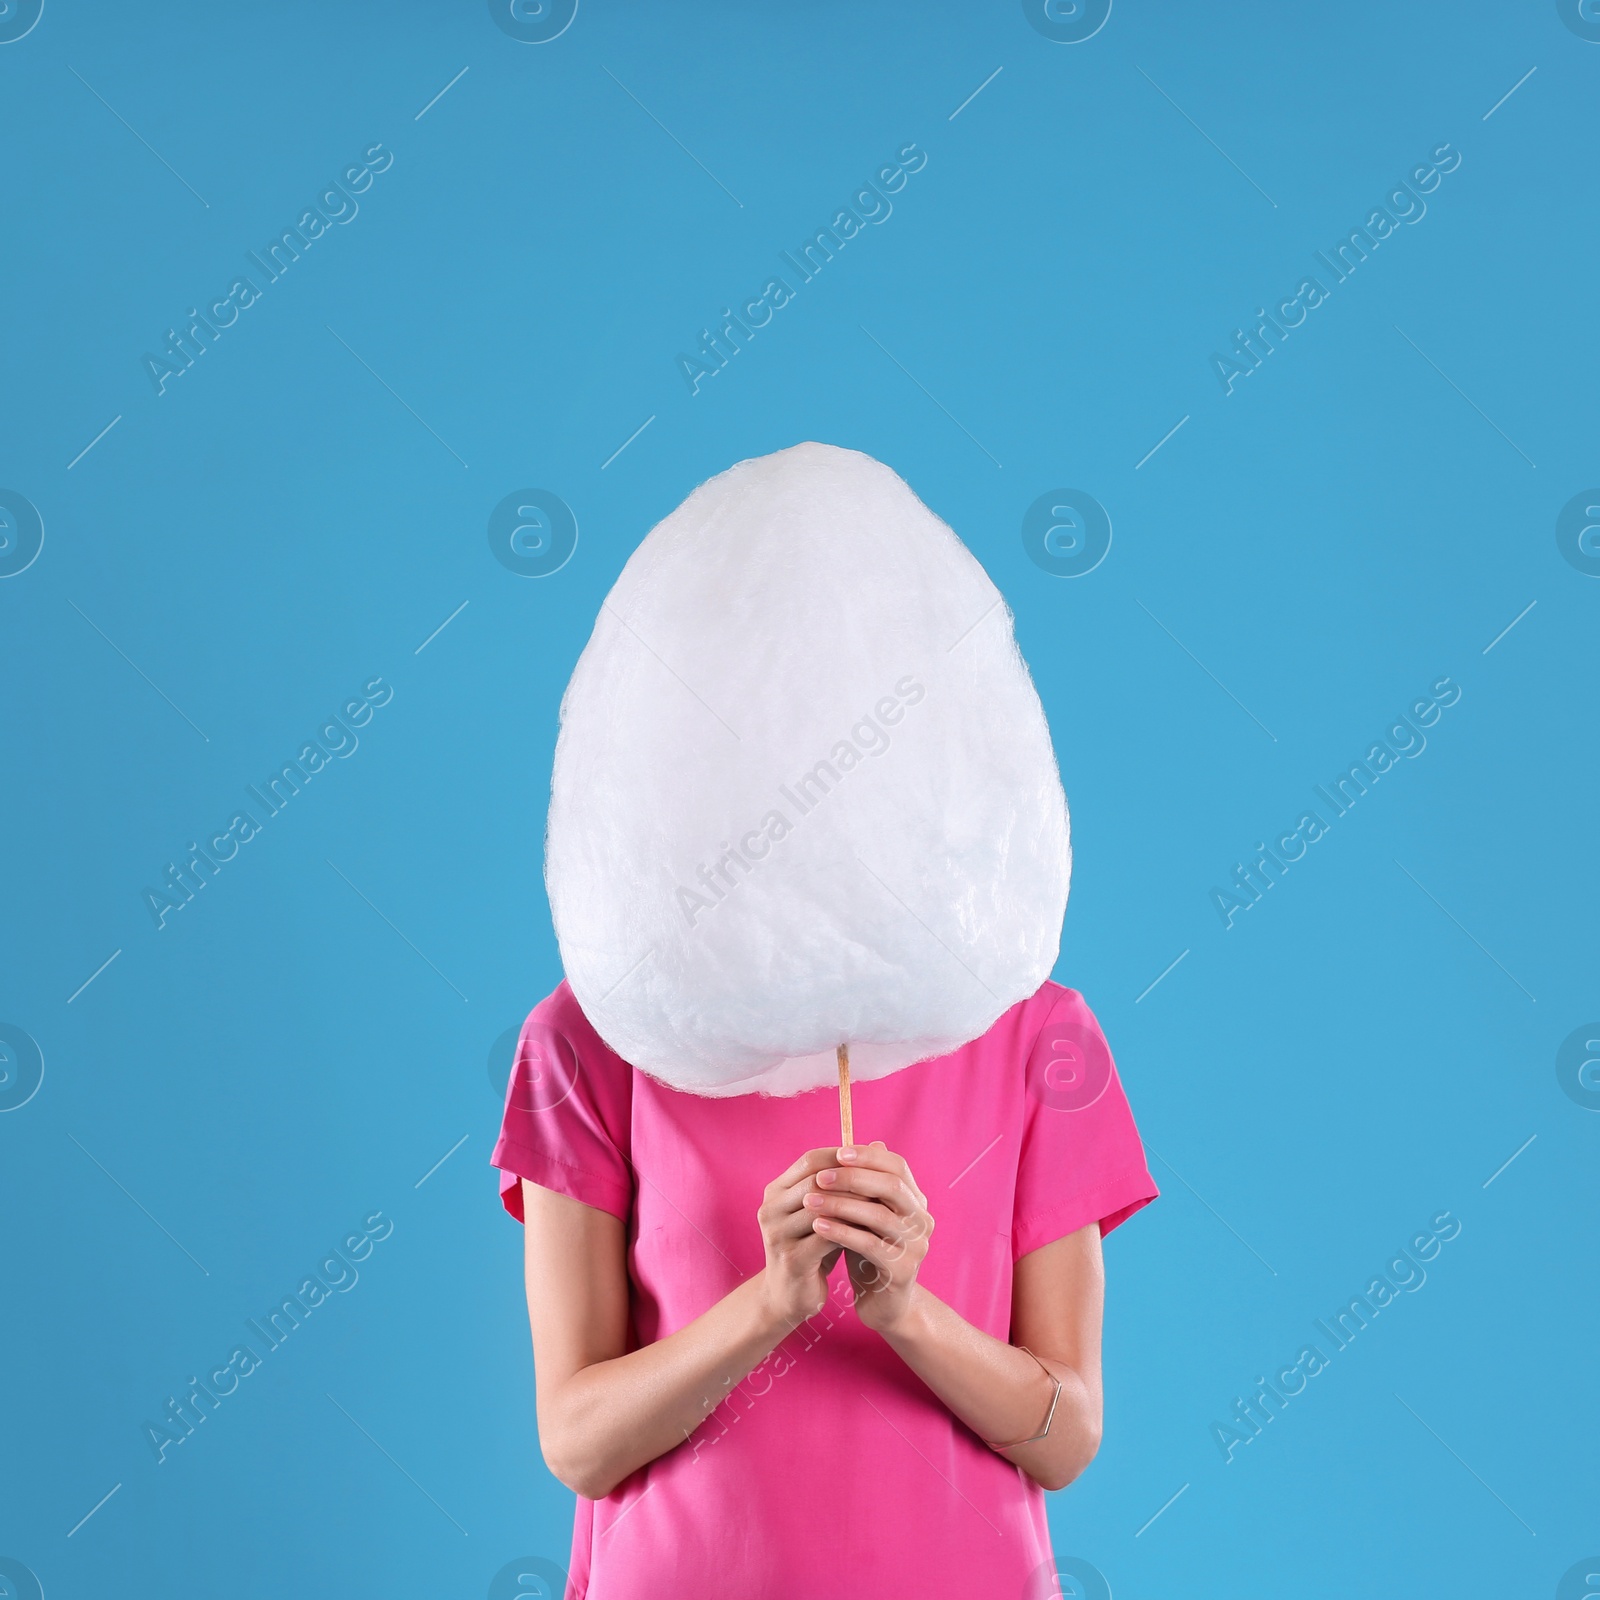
(1049,1415)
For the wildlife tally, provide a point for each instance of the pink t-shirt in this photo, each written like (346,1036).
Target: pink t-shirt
(831,1471)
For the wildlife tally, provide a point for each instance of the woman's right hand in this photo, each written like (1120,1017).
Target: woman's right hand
(799,1259)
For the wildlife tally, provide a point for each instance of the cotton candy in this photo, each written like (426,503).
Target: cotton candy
(804,792)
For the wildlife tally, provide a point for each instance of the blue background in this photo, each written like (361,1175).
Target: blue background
(302,509)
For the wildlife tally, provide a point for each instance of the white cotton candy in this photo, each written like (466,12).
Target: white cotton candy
(804,791)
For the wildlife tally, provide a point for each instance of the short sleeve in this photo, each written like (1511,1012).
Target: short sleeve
(1081,1158)
(568,1113)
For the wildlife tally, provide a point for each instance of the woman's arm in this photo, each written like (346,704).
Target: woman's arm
(998,1389)
(604,1411)
(872,1206)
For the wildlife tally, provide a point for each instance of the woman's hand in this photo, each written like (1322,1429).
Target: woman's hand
(870,1204)
(795,1279)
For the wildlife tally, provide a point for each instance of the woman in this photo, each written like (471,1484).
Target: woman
(740,1419)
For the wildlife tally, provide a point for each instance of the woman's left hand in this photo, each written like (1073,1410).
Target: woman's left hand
(872,1206)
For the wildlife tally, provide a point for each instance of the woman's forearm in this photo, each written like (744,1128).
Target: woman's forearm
(605,1410)
(999,1391)
(610,1418)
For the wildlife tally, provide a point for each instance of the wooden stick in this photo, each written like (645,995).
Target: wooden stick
(846,1121)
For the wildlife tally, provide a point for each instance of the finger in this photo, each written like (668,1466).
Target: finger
(863,1242)
(861,1213)
(814,1252)
(876,1157)
(786,1192)
(789,1229)
(867,1277)
(791,1198)
(785,1236)
(893,1191)
(812,1161)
